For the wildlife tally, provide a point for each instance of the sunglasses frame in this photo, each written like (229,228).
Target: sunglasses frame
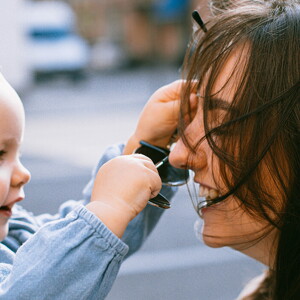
(159,156)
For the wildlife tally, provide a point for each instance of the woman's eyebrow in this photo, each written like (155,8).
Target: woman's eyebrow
(219,103)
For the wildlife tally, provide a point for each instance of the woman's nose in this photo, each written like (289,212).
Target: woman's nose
(183,157)
(179,155)
(21,175)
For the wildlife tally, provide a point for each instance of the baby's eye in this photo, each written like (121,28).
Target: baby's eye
(2,155)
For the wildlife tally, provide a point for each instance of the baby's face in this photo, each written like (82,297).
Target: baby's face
(13,175)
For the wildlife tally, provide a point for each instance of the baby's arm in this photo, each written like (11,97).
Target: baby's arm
(77,257)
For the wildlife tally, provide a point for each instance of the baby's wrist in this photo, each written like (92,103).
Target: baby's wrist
(115,219)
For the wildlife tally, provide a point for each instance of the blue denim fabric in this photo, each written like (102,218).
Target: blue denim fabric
(70,255)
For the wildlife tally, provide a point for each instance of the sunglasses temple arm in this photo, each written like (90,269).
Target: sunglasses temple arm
(162,162)
(160,201)
(196,16)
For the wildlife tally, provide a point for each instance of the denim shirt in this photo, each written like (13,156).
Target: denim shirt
(69,255)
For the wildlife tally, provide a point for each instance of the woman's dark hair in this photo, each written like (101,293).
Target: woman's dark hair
(260,134)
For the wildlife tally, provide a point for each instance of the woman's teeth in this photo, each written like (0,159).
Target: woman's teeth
(207,193)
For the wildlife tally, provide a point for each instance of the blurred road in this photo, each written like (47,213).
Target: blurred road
(68,127)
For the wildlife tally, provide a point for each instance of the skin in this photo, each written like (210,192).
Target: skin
(13,175)
(122,189)
(164,105)
(116,199)
(225,224)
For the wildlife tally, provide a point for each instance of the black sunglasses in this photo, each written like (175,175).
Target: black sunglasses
(169,175)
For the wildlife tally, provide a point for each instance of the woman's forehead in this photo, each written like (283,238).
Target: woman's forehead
(230,75)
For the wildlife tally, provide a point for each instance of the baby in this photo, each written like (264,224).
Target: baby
(75,254)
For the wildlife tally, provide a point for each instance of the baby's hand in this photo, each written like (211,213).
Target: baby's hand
(122,189)
(158,120)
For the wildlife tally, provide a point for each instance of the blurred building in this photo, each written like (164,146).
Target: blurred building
(136,31)
(120,32)
(54,47)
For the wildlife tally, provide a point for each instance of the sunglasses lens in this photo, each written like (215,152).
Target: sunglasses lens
(160,201)
(173,176)
(155,153)
(168,174)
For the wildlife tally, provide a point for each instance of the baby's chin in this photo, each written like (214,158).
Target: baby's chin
(3,231)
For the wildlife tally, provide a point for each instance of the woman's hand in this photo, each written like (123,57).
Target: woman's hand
(122,189)
(159,118)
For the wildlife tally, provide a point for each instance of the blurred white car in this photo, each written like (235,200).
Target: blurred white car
(53,45)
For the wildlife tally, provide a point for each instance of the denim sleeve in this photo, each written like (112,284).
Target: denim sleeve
(70,255)
(142,225)
(24,224)
(76,257)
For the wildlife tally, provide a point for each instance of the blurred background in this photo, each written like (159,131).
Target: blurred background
(84,70)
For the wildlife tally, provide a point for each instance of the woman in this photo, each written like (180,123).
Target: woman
(241,136)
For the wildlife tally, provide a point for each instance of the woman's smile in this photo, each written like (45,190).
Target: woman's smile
(208,192)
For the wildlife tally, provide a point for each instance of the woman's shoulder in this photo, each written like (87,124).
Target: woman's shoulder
(252,286)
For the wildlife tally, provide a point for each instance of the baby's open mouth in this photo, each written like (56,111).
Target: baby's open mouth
(6,211)
(5,208)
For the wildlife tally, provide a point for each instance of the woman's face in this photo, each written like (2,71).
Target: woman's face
(225,223)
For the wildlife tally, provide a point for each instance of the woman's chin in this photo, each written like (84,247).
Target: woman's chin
(212,242)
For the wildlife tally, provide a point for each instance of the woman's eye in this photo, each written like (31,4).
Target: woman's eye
(220,130)
(214,119)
